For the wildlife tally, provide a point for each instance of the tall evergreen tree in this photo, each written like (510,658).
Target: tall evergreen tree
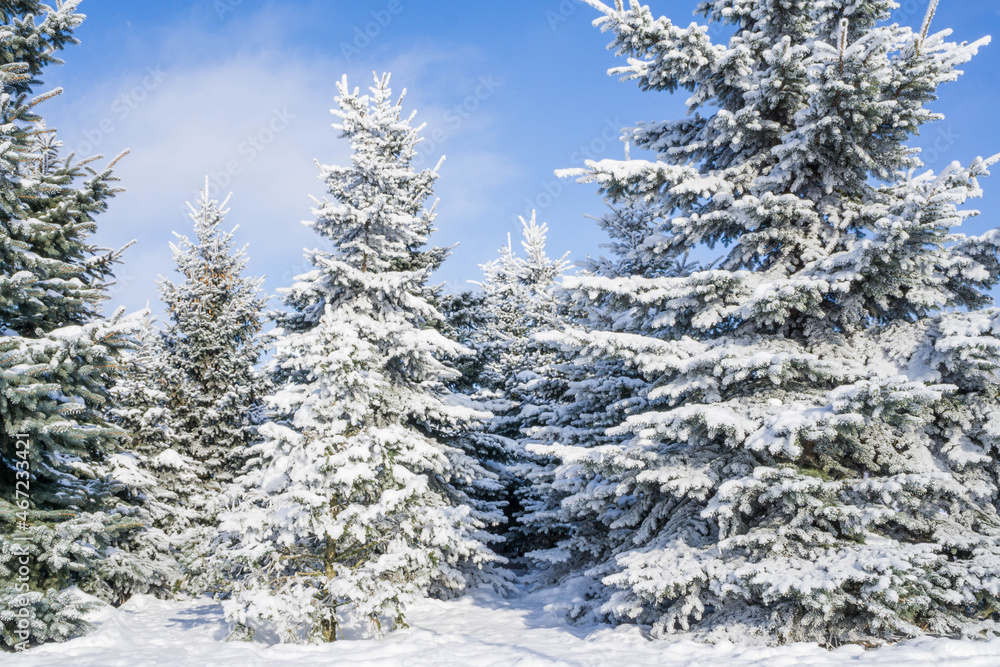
(354,502)
(63,518)
(810,453)
(213,391)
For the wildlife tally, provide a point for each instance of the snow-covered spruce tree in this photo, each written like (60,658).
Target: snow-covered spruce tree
(813,451)
(63,521)
(213,390)
(574,399)
(518,298)
(354,502)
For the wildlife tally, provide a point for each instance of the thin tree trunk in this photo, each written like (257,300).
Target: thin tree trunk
(329,625)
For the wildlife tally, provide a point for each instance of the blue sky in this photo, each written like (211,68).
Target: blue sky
(241,90)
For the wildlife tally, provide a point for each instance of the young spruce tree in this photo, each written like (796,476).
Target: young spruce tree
(518,298)
(353,501)
(213,391)
(812,453)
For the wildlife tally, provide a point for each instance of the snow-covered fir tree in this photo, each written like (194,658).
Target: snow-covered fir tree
(64,518)
(354,501)
(213,390)
(518,297)
(574,398)
(810,450)
(465,321)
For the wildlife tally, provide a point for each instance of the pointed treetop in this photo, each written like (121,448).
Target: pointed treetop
(377,215)
(207,214)
(535,268)
(537,261)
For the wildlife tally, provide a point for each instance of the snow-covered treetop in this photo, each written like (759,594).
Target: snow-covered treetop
(211,264)
(536,269)
(794,158)
(377,218)
(502,269)
(206,214)
(539,268)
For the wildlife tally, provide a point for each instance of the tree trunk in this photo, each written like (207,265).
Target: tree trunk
(329,625)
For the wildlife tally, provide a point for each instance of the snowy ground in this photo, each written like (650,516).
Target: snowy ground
(474,631)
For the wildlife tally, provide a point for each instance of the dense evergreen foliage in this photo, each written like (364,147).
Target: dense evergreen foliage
(354,500)
(806,451)
(213,390)
(65,519)
(799,441)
